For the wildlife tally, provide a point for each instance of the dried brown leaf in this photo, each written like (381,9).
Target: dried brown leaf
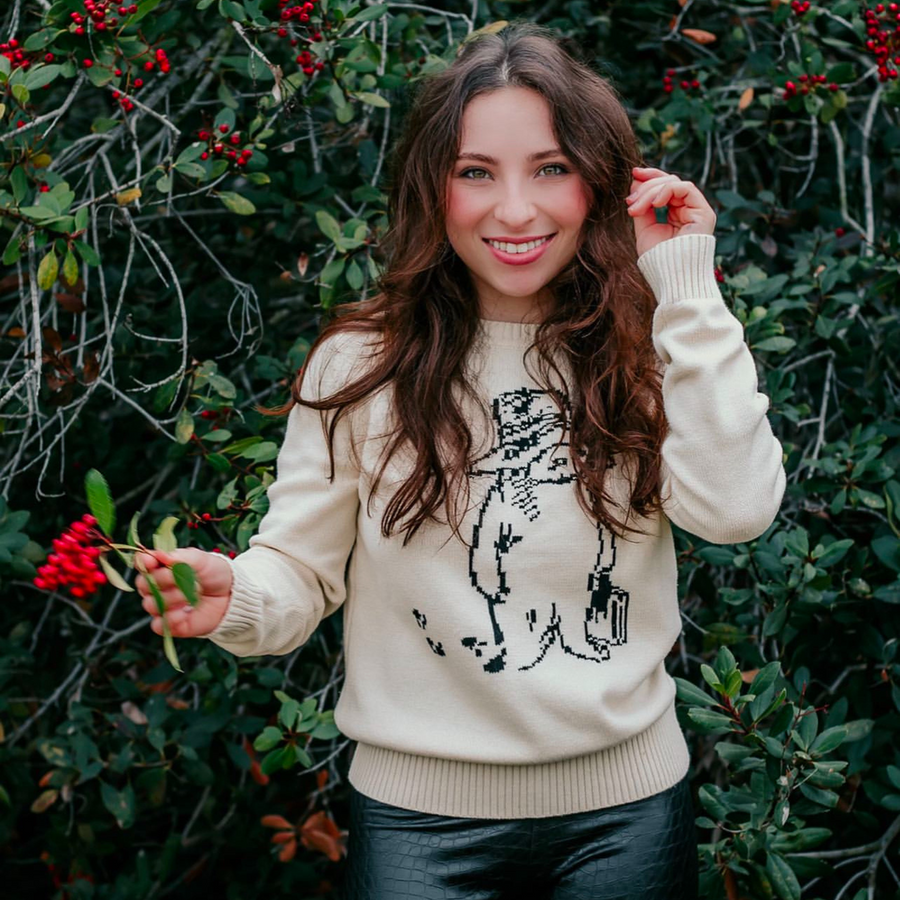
(288,851)
(319,832)
(746,98)
(52,338)
(699,35)
(274,821)
(91,368)
(71,303)
(134,713)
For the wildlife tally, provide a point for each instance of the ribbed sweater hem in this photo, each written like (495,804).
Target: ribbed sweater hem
(645,764)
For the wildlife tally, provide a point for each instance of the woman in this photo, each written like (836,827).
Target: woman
(505,678)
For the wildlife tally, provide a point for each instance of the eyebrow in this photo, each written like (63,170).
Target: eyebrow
(535,157)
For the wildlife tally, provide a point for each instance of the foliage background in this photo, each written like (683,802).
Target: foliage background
(151,298)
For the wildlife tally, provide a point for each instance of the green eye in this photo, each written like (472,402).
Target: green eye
(560,166)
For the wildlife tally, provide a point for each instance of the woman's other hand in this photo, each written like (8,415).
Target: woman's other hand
(214,579)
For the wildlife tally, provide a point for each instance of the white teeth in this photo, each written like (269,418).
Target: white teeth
(518,248)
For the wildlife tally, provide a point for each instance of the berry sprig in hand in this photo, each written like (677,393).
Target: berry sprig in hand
(179,579)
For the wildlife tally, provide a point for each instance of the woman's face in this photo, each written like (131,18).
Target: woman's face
(514,197)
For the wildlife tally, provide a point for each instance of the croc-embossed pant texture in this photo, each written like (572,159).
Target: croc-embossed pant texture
(644,850)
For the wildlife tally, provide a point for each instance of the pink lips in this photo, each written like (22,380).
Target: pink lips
(520,259)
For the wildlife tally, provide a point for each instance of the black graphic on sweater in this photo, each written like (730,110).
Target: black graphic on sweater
(523,462)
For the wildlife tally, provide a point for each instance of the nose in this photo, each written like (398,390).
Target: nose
(515,206)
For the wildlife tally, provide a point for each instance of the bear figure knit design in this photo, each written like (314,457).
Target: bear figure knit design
(524,462)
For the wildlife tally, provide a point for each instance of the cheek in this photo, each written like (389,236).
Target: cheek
(573,205)
(462,209)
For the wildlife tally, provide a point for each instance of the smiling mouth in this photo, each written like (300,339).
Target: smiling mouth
(543,237)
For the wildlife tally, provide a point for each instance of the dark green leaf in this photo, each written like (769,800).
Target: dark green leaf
(100,501)
(186,582)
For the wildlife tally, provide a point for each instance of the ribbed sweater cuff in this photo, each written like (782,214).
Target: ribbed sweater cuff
(244,608)
(681,267)
(643,765)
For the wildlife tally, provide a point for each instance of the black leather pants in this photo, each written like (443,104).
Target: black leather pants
(644,850)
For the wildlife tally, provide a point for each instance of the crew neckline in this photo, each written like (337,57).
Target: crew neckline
(510,334)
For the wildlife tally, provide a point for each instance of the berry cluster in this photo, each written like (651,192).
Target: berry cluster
(883,43)
(161,59)
(807,83)
(17,58)
(126,104)
(205,518)
(74,563)
(96,15)
(306,63)
(720,276)
(686,85)
(222,412)
(301,14)
(800,8)
(231,553)
(218,148)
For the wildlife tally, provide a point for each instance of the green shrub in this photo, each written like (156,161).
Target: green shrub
(155,291)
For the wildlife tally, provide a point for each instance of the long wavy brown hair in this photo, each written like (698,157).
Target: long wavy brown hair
(425,314)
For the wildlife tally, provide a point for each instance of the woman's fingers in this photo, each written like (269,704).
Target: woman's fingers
(173,599)
(660,195)
(178,621)
(162,578)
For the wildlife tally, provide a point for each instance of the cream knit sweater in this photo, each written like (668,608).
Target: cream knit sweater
(526,676)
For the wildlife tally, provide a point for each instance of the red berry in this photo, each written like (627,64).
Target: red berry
(206,517)
(231,554)
(88,63)
(223,128)
(204,155)
(840,232)
(138,82)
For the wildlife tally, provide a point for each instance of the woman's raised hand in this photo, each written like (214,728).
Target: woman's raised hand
(214,579)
